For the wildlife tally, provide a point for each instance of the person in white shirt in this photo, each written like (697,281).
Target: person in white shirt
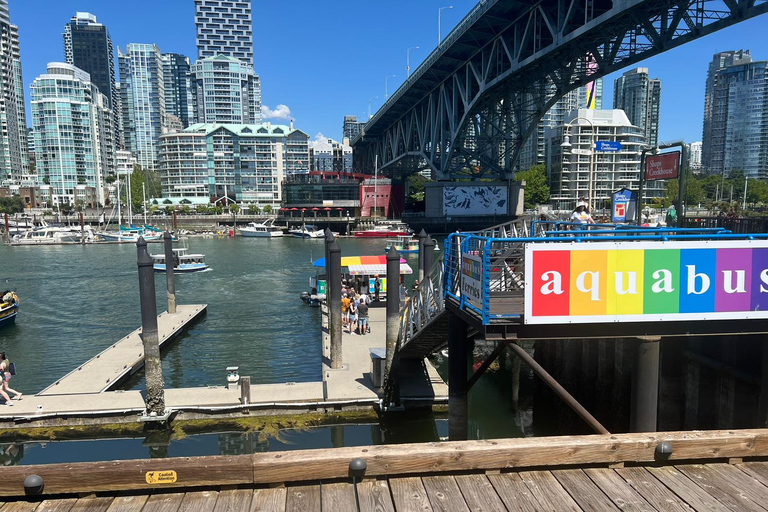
(581,215)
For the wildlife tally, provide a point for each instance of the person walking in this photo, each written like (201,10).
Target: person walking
(376,287)
(362,317)
(671,219)
(352,314)
(344,310)
(581,215)
(5,367)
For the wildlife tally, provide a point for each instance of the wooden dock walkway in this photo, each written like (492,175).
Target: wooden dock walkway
(707,471)
(108,368)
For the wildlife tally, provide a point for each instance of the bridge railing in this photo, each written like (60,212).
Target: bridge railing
(424,305)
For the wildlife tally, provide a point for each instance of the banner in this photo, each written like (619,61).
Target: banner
(472,279)
(624,204)
(662,167)
(612,282)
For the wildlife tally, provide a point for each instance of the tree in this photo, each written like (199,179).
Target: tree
(536,187)
(234,209)
(46,180)
(202,209)
(267,209)
(81,180)
(10,205)
(80,205)
(186,209)
(110,179)
(218,209)
(694,190)
(253,209)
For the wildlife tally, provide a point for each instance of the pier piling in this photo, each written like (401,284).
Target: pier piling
(459,367)
(333,290)
(155,400)
(429,255)
(422,238)
(170,283)
(393,305)
(82,229)
(645,386)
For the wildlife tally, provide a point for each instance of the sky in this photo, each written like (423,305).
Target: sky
(320,61)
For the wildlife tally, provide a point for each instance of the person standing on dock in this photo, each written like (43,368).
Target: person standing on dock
(362,313)
(352,314)
(376,287)
(345,310)
(5,371)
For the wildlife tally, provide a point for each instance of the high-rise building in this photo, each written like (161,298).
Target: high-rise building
(226,91)
(142,91)
(73,128)
(720,61)
(331,156)
(177,87)
(351,129)
(569,170)
(738,135)
(13,118)
(244,162)
(533,151)
(639,96)
(224,27)
(694,156)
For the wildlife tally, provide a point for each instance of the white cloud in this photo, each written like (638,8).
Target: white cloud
(317,139)
(280,112)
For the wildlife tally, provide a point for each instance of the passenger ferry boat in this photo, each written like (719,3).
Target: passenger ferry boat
(403,244)
(9,307)
(265,230)
(183,263)
(384,230)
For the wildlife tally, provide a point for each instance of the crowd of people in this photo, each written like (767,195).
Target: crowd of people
(355,307)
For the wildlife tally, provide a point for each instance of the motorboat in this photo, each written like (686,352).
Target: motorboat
(9,307)
(383,230)
(184,263)
(265,230)
(403,244)
(52,235)
(307,231)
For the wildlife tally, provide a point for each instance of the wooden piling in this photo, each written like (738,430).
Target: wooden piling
(155,400)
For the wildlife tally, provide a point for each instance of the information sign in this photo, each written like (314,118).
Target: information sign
(624,203)
(608,146)
(662,167)
(472,279)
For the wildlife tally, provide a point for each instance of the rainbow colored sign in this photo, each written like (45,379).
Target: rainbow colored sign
(645,281)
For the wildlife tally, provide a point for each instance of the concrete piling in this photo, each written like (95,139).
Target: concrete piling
(459,366)
(333,292)
(429,255)
(645,386)
(170,283)
(393,305)
(155,400)
(422,238)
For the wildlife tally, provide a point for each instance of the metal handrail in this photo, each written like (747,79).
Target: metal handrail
(424,306)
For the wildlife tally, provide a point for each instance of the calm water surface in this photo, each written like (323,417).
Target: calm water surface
(78,300)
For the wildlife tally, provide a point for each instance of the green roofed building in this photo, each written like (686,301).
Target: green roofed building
(244,162)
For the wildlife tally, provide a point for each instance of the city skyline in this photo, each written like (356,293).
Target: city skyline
(344,63)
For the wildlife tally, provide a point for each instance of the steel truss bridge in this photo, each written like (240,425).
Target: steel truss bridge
(468,109)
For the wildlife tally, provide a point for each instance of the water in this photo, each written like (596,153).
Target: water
(78,300)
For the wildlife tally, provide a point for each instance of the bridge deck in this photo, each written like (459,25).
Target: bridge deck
(669,488)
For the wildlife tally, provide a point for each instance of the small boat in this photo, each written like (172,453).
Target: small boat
(9,306)
(265,230)
(403,244)
(183,263)
(307,231)
(384,230)
(51,235)
(131,234)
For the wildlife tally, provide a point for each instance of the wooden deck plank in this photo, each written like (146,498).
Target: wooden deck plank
(234,500)
(165,502)
(618,490)
(374,496)
(20,506)
(683,486)
(514,493)
(92,505)
(268,500)
(444,493)
(338,496)
(732,496)
(409,495)
(303,498)
(201,501)
(584,491)
(758,470)
(653,490)
(56,505)
(479,493)
(127,504)
(753,488)
(548,491)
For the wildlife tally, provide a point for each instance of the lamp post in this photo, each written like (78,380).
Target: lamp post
(680,177)
(386,86)
(408,60)
(567,144)
(370,100)
(439,12)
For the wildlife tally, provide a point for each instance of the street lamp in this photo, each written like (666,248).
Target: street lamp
(439,12)
(370,100)
(386,88)
(408,60)
(567,144)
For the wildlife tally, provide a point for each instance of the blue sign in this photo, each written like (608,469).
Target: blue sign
(624,205)
(608,145)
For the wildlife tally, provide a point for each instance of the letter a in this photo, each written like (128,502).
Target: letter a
(728,281)
(631,285)
(554,286)
(594,282)
(664,283)
(692,276)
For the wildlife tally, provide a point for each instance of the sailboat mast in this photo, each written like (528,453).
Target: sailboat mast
(119,207)
(375,187)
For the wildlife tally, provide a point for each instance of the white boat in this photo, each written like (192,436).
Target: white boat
(183,263)
(129,235)
(265,230)
(9,307)
(53,236)
(307,231)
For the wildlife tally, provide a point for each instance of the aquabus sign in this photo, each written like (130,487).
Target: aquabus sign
(645,281)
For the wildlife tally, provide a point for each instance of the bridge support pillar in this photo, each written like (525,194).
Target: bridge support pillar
(645,386)
(459,367)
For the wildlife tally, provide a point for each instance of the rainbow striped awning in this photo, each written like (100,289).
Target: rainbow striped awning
(367,265)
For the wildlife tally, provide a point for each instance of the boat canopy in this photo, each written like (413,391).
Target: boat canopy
(367,265)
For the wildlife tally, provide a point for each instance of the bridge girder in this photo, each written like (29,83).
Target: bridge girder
(480,96)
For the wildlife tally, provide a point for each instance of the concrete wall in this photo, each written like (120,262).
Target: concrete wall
(434,207)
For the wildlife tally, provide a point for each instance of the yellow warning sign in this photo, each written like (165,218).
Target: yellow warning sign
(161,477)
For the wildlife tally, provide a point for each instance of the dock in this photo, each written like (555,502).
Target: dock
(86,396)
(124,358)
(704,470)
